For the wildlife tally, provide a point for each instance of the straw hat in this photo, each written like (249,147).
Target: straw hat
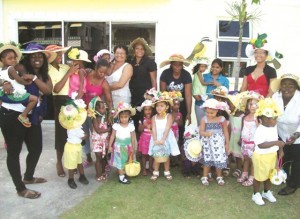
(145,103)
(13,46)
(267,107)
(76,54)
(245,96)
(175,58)
(192,149)
(73,115)
(35,48)
(275,84)
(162,97)
(57,48)
(176,95)
(122,106)
(101,53)
(220,91)
(142,42)
(92,107)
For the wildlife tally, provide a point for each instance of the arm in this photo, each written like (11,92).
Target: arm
(141,127)
(44,87)
(188,101)
(96,127)
(162,86)
(154,136)
(202,129)
(14,75)
(132,135)
(226,134)
(244,84)
(82,75)
(179,120)
(270,92)
(167,129)
(125,77)
(153,77)
(199,74)
(107,94)
(269,144)
(59,85)
(111,140)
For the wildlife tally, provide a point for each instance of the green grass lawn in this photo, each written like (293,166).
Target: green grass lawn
(181,198)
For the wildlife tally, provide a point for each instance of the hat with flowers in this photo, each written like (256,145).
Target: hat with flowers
(162,97)
(144,104)
(77,54)
(214,104)
(267,107)
(122,106)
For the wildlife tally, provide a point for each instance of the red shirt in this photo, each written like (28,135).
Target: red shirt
(260,85)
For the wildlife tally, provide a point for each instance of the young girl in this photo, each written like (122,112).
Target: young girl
(177,118)
(162,135)
(145,130)
(266,147)
(122,140)
(249,125)
(77,81)
(100,135)
(71,117)
(9,57)
(215,139)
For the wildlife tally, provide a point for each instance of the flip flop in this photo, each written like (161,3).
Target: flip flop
(31,194)
(24,121)
(35,180)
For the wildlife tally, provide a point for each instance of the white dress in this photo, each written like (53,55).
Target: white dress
(170,143)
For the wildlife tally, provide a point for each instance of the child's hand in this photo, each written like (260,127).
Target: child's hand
(281,144)
(156,142)
(162,142)
(209,134)
(74,68)
(110,150)
(79,95)
(28,77)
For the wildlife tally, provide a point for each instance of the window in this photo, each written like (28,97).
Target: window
(228,29)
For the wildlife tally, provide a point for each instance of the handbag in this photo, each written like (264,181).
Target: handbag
(278,175)
(133,167)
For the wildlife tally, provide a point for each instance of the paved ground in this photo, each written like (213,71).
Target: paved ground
(56,197)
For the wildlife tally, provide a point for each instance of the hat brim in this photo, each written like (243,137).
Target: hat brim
(141,41)
(14,48)
(85,60)
(72,124)
(51,56)
(220,95)
(132,111)
(168,62)
(189,155)
(168,101)
(249,51)
(275,84)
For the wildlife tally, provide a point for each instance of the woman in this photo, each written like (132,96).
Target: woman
(15,133)
(59,74)
(144,73)
(176,78)
(287,97)
(120,72)
(258,77)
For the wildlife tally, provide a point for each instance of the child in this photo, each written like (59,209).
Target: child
(71,117)
(176,115)
(162,140)
(122,139)
(9,57)
(145,128)
(266,147)
(214,139)
(77,81)
(100,135)
(249,125)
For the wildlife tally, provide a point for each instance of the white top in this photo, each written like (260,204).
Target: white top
(115,77)
(289,122)
(265,134)
(75,135)
(123,132)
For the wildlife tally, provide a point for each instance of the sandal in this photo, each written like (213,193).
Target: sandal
(102,178)
(242,178)
(225,171)
(31,194)
(204,181)
(237,173)
(168,175)
(248,182)
(24,121)
(154,176)
(220,181)
(35,180)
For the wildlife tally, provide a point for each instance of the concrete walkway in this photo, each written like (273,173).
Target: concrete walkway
(56,197)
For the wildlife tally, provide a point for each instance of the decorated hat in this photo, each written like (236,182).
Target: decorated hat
(73,115)
(35,48)
(13,46)
(268,107)
(176,95)
(92,106)
(245,96)
(175,58)
(145,103)
(201,61)
(220,91)
(259,43)
(101,53)
(275,84)
(77,54)
(192,149)
(142,42)
(57,48)
(149,94)
(162,97)
(122,106)
(214,104)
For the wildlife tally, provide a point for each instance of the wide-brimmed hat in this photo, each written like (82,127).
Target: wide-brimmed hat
(57,48)
(259,43)
(145,103)
(35,48)
(77,54)
(192,149)
(73,115)
(220,91)
(92,106)
(275,84)
(101,53)
(267,107)
(214,104)
(162,97)
(122,106)
(142,42)
(201,61)
(245,96)
(13,46)
(175,58)
(176,95)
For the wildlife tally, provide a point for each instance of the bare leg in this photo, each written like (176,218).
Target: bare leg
(267,185)
(219,172)
(167,165)
(59,167)
(206,170)
(30,105)
(151,160)
(98,164)
(246,164)
(256,185)
(144,171)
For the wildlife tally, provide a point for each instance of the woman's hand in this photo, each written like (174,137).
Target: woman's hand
(291,140)
(7,88)
(188,119)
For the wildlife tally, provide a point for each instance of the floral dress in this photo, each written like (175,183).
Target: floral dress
(145,137)
(248,137)
(214,146)
(100,141)
(122,145)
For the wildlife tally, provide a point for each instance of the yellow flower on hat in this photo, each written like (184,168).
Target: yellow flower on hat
(74,53)
(267,107)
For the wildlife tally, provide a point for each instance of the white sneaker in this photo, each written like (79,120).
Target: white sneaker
(258,199)
(269,196)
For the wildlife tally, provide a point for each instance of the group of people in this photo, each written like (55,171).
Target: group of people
(230,125)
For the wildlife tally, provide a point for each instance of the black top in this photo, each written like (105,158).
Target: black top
(268,71)
(141,80)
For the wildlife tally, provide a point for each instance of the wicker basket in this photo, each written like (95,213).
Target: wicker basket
(161,159)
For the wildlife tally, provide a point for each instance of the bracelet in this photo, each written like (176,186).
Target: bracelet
(34,78)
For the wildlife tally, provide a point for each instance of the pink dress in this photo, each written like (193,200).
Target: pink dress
(74,83)
(100,141)
(175,127)
(247,137)
(145,137)
(92,91)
